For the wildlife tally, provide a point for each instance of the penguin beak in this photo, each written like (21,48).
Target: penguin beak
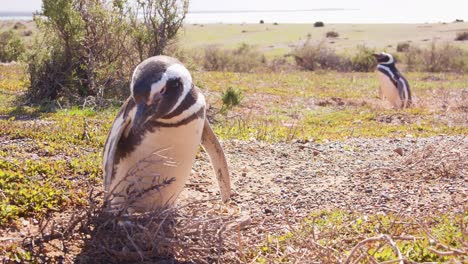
(140,117)
(377,56)
(145,111)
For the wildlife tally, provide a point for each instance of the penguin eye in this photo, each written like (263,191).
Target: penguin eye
(163,90)
(174,83)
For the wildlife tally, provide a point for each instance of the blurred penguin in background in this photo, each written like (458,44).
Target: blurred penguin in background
(392,84)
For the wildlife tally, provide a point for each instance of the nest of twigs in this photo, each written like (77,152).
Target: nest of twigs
(192,233)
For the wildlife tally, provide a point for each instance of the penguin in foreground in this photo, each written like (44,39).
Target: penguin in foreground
(152,143)
(392,84)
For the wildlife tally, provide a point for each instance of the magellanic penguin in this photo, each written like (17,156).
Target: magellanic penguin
(392,84)
(153,141)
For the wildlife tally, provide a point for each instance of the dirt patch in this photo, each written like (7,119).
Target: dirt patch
(357,174)
(337,101)
(398,119)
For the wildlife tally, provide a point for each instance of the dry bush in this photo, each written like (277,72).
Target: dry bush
(215,59)
(19,26)
(319,56)
(446,58)
(281,64)
(403,47)
(461,36)
(245,58)
(412,59)
(332,34)
(319,24)
(27,33)
(312,57)
(437,58)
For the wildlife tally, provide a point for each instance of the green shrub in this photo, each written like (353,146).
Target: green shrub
(403,47)
(11,46)
(461,36)
(155,24)
(319,24)
(90,48)
(230,97)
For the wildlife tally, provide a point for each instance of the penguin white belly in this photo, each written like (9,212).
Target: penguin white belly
(389,90)
(165,154)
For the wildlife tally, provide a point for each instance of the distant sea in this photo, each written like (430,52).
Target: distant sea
(15,15)
(327,15)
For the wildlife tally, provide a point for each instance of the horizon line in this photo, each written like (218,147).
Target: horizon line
(271,11)
(218,11)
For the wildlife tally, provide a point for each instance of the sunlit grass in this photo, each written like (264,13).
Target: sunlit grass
(330,236)
(278,40)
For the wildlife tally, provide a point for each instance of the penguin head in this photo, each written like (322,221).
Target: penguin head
(158,86)
(384,58)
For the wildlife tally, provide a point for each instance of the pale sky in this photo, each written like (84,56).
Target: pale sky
(447,8)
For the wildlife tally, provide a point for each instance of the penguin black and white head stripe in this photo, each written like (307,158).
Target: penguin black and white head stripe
(392,84)
(155,137)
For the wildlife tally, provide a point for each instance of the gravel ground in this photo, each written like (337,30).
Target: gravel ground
(278,184)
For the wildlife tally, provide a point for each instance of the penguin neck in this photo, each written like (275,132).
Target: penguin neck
(390,70)
(192,106)
(388,65)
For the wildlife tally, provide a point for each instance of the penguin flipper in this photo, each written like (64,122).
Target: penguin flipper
(120,124)
(404,92)
(211,145)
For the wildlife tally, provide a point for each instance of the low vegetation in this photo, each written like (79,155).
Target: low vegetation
(403,47)
(461,36)
(245,58)
(89,48)
(312,57)
(332,34)
(231,97)
(319,24)
(337,237)
(437,58)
